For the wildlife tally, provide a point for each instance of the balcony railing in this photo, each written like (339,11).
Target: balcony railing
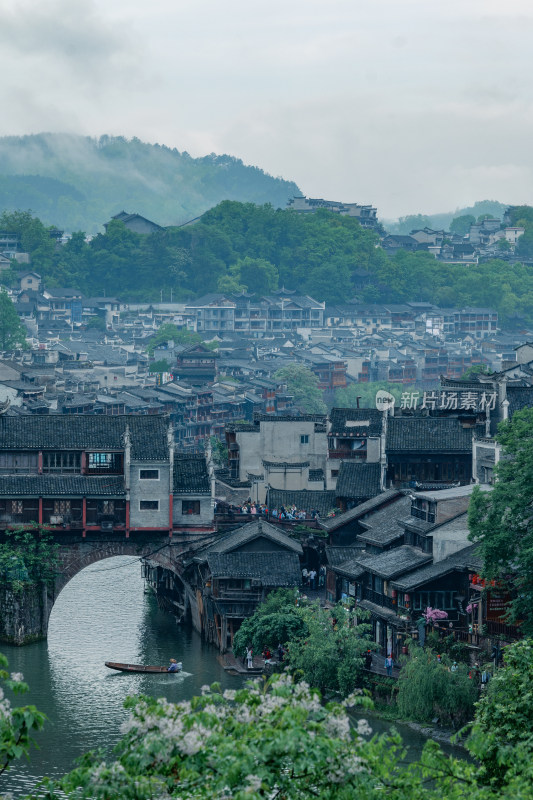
(378,598)
(357,455)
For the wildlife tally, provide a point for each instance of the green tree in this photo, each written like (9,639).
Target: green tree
(475,369)
(303,385)
(501,521)
(427,688)
(257,275)
(170,333)
(219,451)
(277,620)
(502,733)
(28,557)
(12,331)
(331,654)
(17,724)
(347,398)
(461,225)
(96,324)
(160,366)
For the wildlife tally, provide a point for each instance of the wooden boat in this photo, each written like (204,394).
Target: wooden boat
(139,667)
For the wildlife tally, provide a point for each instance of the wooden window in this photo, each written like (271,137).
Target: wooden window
(107,506)
(304,439)
(149,474)
(190,507)
(61,461)
(61,506)
(17,506)
(149,505)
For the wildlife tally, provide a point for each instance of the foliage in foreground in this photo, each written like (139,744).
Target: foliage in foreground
(502,522)
(502,735)
(273,740)
(16,723)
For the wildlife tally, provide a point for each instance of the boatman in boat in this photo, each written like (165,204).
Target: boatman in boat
(174,666)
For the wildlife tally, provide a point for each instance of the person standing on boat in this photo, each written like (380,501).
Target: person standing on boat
(174,667)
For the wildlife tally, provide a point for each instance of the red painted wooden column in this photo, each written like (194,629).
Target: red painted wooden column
(83,463)
(127,519)
(170,514)
(40,507)
(84,516)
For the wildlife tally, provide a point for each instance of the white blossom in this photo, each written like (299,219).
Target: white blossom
(363,728)
(254,784)
(338,726)
(17,677)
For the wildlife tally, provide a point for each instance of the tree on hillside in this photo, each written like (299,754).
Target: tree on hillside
(502,520)
(461,225)
(302,384)
(12,331)
(257,275)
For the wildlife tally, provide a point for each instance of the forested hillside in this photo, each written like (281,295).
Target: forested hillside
(78,183)
(240,245)
(442,221)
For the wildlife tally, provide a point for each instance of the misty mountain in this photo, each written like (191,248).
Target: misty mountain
(78,183)
(404,225)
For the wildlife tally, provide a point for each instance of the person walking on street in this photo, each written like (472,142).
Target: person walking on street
(389,663)
(312,579)
(249,657)
(368,659)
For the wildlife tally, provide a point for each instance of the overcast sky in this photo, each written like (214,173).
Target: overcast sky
(411,106)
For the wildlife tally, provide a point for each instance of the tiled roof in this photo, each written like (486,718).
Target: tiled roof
(428,434)
(393,563)
(359,511)
(519,398)
(61,486)
(463,559)
(341,418)
(358,481)
(78,432)
(190,474)
(352,568)
(383,527)
(272,569)
(340,555)
(251,531)
(306,500)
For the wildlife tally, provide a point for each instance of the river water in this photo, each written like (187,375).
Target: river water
(103,614)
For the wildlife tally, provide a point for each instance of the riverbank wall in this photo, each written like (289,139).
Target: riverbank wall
(24,615)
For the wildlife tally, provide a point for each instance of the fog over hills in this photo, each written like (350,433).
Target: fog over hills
(78,183)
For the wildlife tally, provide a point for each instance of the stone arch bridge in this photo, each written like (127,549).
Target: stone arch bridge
(24,617)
